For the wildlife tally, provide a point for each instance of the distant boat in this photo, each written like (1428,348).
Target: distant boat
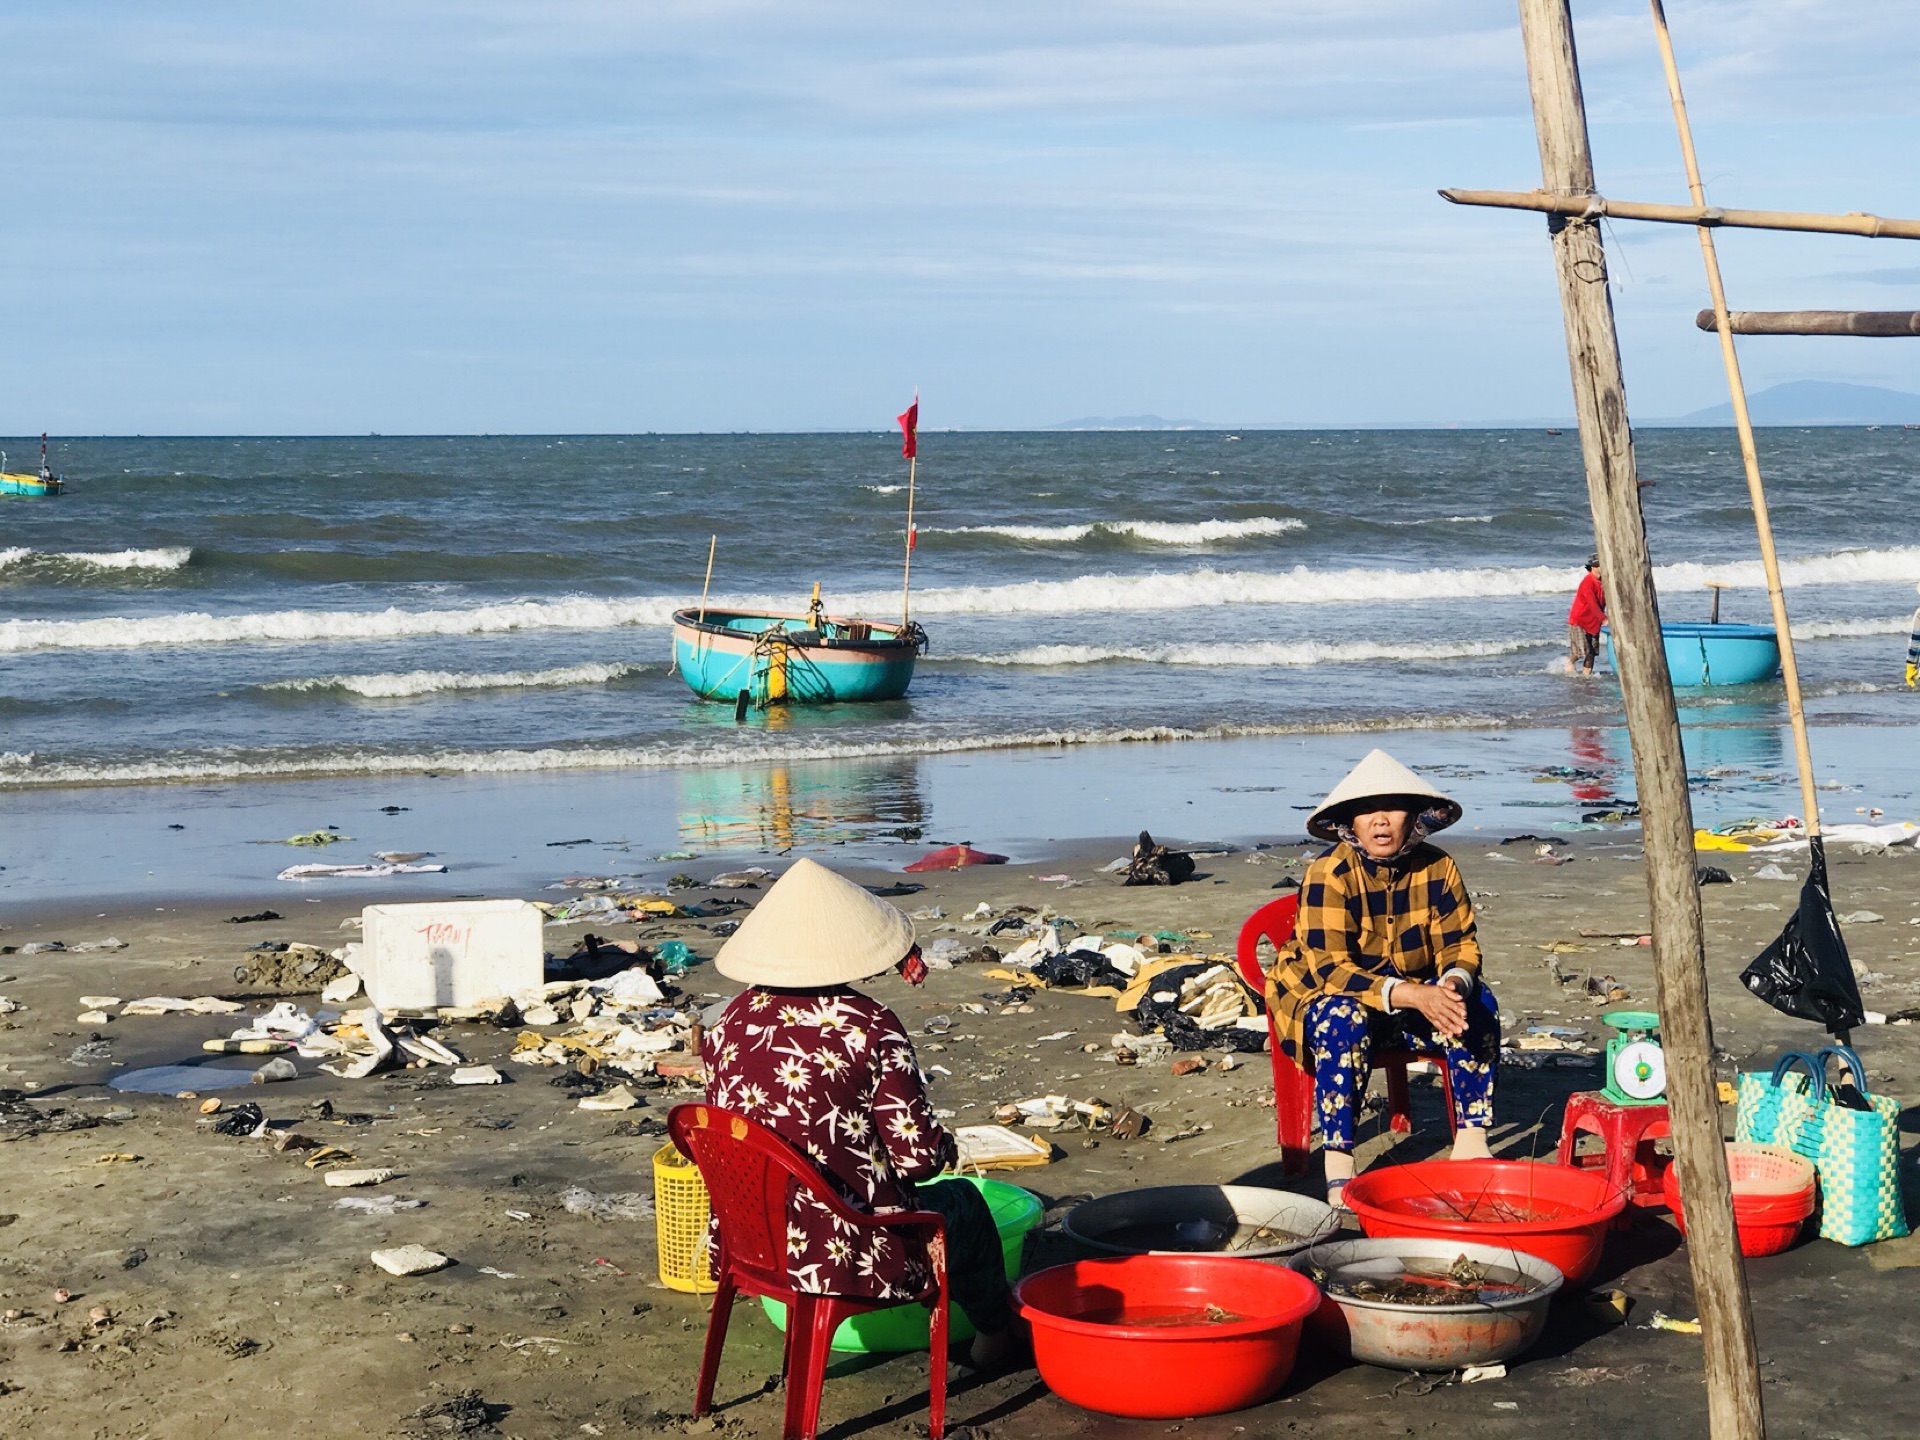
(1704,653)
(761,658)
(1553,432)
(14,483)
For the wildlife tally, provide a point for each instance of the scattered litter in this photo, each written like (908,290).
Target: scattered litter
(241,1120)
(1153,864)
(995,1147)
(1609,1306)
(277,1069)
(98,1002)
(498,1273)
(1711,875)
(1857,917)
(953,857)
(355,1179)
(411,1260)
(1474,1374)
(358,872)
(263,916)
(629,1205)
(312,837)
(477,1075)
(618,1098)
(42,947)
(112,942)
(1662,1321)
(379,1205)
(1771,872)
(335,992)
(170,1005)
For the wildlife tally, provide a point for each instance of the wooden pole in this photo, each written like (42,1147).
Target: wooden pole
(1597,207)
(712,544)
(906,568)
(1871,323)
(1743,423)
(1653,725)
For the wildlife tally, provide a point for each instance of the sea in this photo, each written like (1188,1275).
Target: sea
(207,616)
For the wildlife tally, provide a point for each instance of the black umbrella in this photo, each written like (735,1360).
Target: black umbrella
(1805,972)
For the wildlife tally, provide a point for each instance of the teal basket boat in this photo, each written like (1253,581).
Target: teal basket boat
(761,659)
(1708,653)
(1016,1213)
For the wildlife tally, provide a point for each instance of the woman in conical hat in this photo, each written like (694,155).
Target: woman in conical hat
(1383,955)
(833,1073)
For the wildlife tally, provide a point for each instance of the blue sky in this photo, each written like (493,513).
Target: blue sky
(583,215)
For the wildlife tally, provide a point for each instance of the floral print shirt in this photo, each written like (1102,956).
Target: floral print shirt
(833,1073)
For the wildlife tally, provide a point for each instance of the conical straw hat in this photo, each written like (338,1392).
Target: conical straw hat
(815,928)
(1380,777)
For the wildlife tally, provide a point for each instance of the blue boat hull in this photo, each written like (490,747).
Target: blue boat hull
(784,660)
(1708,654)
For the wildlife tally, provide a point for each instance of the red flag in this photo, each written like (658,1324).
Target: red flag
(913,538)
(910,429)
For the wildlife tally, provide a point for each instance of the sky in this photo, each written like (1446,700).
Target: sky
(714,215)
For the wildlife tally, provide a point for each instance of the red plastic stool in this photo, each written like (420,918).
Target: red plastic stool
(1627,1133)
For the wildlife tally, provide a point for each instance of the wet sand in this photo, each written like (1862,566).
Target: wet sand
(240,1300)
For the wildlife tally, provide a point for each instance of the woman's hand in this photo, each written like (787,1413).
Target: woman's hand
(1442,1004)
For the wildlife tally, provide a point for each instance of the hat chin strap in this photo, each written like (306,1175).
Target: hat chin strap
(1416,832)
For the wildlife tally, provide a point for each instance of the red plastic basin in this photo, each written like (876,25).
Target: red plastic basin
(1130,1336)
(1773,1194)
(1557,1212)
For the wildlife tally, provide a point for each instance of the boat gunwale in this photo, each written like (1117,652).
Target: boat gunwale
(886,645)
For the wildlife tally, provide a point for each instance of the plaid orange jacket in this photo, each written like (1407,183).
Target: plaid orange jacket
(1363,923)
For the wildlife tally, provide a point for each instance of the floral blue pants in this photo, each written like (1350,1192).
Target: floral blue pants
(1342,1034)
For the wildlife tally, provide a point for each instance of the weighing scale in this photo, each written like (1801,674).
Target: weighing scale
(1636,1065)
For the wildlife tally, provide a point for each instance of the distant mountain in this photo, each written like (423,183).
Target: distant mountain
(1135,422)
(1815,402)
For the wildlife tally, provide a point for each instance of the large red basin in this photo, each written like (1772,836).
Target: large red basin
(1096,1346)
(1556,1212)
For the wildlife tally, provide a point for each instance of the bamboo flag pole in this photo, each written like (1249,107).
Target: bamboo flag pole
(1730,1353)
(1743,422)
(712,544)
(909,447)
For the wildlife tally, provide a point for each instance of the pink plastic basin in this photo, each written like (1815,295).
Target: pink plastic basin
(1557,1212)
(1133,1336)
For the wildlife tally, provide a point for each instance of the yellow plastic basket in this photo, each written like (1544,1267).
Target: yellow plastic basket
(681,1211)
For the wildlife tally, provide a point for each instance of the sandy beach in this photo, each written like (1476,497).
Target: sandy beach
(216,1289)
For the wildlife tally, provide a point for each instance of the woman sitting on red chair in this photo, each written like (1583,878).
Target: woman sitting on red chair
(833,1073)
(1383,954)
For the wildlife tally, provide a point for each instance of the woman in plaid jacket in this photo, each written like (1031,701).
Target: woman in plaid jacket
(1384,954)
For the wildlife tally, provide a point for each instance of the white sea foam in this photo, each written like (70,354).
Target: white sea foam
(433,682)
(172,557)
(1155,532)
(1259,653)
(884,489)
(29,774)
(1840,629)
(1146,592)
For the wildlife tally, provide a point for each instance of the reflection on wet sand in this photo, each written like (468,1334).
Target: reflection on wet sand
(784,806)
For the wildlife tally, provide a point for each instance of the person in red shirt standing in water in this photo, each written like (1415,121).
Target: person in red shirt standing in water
(1584,620)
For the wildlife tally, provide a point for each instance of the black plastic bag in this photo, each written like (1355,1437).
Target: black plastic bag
(1806,972)
(1081,967)
(1182,1031)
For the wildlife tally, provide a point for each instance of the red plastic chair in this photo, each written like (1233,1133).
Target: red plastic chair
(1292,1082)
(751,1175)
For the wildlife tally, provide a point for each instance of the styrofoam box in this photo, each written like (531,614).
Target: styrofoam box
(453,952)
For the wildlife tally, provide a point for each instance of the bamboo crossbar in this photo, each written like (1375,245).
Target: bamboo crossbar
(1882,323)
(1598,207)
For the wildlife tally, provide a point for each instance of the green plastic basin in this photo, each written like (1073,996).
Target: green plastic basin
(1015,1212)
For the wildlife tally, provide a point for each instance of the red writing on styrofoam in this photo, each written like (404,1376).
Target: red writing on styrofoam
(445,934)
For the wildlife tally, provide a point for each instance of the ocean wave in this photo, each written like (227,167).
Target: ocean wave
(434,682)
(171,557)
(884,489)
(1145,593)
(1841,629)
(1154,532)
(1263,653)
(26,771)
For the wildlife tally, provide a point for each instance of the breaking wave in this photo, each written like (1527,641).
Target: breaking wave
(1840,629)
(78,562)
(1267,652)
(1145,593)
(24,771)
(1153,532)
(434,682)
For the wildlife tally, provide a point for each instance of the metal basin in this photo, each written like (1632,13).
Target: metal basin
(1244,1220)
(1403,1336)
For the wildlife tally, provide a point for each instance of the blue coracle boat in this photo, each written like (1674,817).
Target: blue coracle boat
(762,659)
(1709,653)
